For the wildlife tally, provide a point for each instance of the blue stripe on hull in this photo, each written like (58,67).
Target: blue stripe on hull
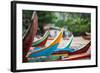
(65,49)
(45,52)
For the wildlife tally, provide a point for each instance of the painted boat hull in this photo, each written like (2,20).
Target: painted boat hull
(82,50)
(46,52)
(29,36)
(67,47)
(42,41)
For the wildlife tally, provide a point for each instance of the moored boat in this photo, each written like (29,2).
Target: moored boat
(28,37)
(46,51)
(42,41)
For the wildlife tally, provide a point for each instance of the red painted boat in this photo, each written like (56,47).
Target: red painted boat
(82,50)
(42,41)
(82,53)
(29,35)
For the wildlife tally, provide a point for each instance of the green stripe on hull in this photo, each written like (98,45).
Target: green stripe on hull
(41,40)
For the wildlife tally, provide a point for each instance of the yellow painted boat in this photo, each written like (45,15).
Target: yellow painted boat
(46,51)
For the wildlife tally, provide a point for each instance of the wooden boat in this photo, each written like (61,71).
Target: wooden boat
(79,56)
(29,35)
(87,36)
(66,47)
(62,52)
(57,55)
(85,55)
(46,51)
(82,53)
(81,50)
(42,41)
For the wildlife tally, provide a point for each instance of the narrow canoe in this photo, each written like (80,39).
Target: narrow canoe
(46,51)
(81,50)
(66,47)
(79,56)
(85,55)
(42,41)
(29,35)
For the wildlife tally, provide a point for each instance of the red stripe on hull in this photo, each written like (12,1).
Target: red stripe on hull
(43,42)
(82,50)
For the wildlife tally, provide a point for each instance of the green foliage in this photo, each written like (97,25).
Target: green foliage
(26,16)
(77,23)
(60,23)
(44,18)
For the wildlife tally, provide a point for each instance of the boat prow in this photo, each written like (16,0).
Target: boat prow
(46,51)
(81,50)
(29,35)
(42,41)
(66,47)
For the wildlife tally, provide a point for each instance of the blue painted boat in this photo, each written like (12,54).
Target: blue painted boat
(67,46)
(46,51)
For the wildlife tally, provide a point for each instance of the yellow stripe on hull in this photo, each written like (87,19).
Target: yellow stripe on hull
(55,41)
(57,38)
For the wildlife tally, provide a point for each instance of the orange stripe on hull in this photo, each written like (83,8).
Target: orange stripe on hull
(80,57)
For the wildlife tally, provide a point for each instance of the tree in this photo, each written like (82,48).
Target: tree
(79,23)
(44,18)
